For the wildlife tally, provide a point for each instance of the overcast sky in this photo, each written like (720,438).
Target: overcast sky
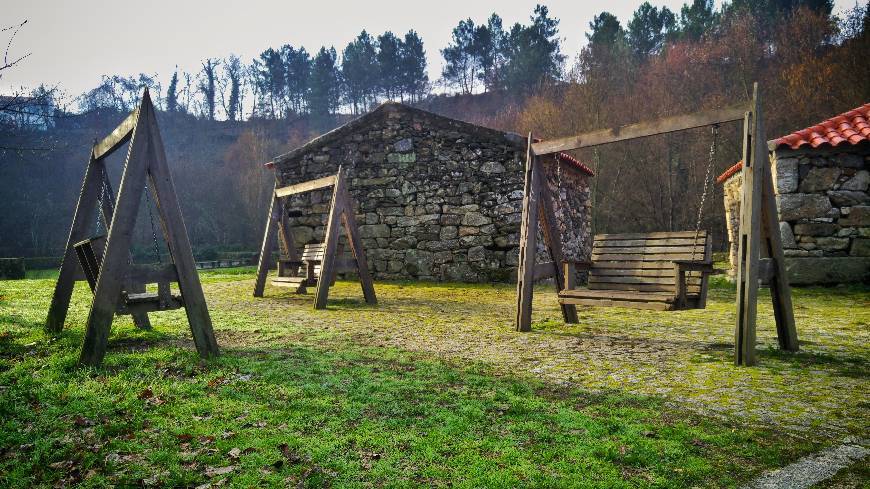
(74,42)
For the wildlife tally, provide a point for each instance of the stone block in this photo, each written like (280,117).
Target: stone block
(448,232)
(402,158)
(475,219)
(786,171)
(802,206)
(832,243)
(814,229)
(860,247)
(374,231)
(419,262)
(787,235)
(404,145)
(405,242)
(841,198)
(857,216)
(859,182)
(850,160)
(832,270)
(820,180)
(476,253)
(491,167)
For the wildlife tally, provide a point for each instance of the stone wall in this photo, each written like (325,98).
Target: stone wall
(824,213)
(437,199)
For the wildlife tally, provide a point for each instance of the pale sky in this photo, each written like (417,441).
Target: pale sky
(74,42)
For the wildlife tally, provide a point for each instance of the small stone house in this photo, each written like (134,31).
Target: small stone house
(821,181)
(438,199)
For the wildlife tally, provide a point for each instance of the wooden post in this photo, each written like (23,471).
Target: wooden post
(114,266)
(351,229)
(69,266)
(553,241)
(333,228)
(754,156)
(528,241)
(175,233)
(265,262)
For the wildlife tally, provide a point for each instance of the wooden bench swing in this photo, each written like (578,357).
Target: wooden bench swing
(318,263)
(104,261)
(664,270)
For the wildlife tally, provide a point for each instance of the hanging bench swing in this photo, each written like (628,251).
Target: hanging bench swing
(662,270)
(104,261)
(319,262)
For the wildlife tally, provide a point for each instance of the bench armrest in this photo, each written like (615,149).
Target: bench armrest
(569,268)
(694,266)
(579,265)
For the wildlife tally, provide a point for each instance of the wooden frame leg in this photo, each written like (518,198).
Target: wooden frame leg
(175,233)
(528,243)
(330,244)
(265,261)
(69,266)
(351,229)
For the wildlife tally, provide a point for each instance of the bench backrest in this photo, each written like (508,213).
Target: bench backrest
(644,261)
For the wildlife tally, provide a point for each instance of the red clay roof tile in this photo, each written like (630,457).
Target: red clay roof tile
(847,128)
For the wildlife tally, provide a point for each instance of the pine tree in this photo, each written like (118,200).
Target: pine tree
(413,66)
(323,91)
(172,93)
(389,64)
(460,68)
(359,68)
(648,29)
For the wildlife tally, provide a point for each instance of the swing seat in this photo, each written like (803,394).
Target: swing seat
(664,271)
(306,272)
(134,299)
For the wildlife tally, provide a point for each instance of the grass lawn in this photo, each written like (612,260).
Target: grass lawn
(432,387)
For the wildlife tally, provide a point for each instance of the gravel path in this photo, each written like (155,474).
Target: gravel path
(814,468)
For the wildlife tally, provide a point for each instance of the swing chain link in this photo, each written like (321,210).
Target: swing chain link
(153,229)
(715,130)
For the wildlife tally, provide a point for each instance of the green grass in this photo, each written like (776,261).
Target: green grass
(429,388)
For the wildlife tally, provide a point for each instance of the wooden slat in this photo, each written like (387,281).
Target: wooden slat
(638,272)
(596,257)
(640,280)
(664,288)
(544,270)
(118,137)
(653,235)
(618,243)
(661,250)
(641,129)
(528,240)
(152,274)
(640,265)
(617,295)
(305,186)
(655,306)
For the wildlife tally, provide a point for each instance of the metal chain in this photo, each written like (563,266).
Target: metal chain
(711,160)
(153,230)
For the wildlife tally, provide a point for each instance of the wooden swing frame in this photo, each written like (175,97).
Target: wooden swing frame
(760,247)
(118,286)
(341,216)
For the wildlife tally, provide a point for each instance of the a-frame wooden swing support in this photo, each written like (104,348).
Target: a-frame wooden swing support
(341,216)
(760,247)
(118,285)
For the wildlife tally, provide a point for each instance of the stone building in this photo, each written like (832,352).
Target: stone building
(438,198)
(821,181)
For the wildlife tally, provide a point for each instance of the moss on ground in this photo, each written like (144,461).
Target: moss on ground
(430,387)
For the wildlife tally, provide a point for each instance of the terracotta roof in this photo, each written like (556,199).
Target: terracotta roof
(577,164)
(847,128)
(852,127)
(736,167)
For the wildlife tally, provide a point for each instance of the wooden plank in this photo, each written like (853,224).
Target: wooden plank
(655,306)
(641,129)
(780,289)
(330,243)
(597,279)
(152,274)
(598,257)
(115,257)
(308,186)
(652,250)
(118,137)
(749,239)
(618,272)
(175,233)
(351,229)
(653,235)
(69,265)
(663,288)
(619,295)
(265,260)
(528,240)
(553,242)
(638,265)
(619,243)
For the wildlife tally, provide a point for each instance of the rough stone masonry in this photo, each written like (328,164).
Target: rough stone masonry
(437,198)
(824,212)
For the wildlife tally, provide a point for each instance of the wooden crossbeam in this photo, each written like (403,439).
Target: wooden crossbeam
(308,186)
(118,137)
(641,130)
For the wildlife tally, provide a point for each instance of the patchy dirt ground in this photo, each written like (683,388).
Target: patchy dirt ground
(684,357)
